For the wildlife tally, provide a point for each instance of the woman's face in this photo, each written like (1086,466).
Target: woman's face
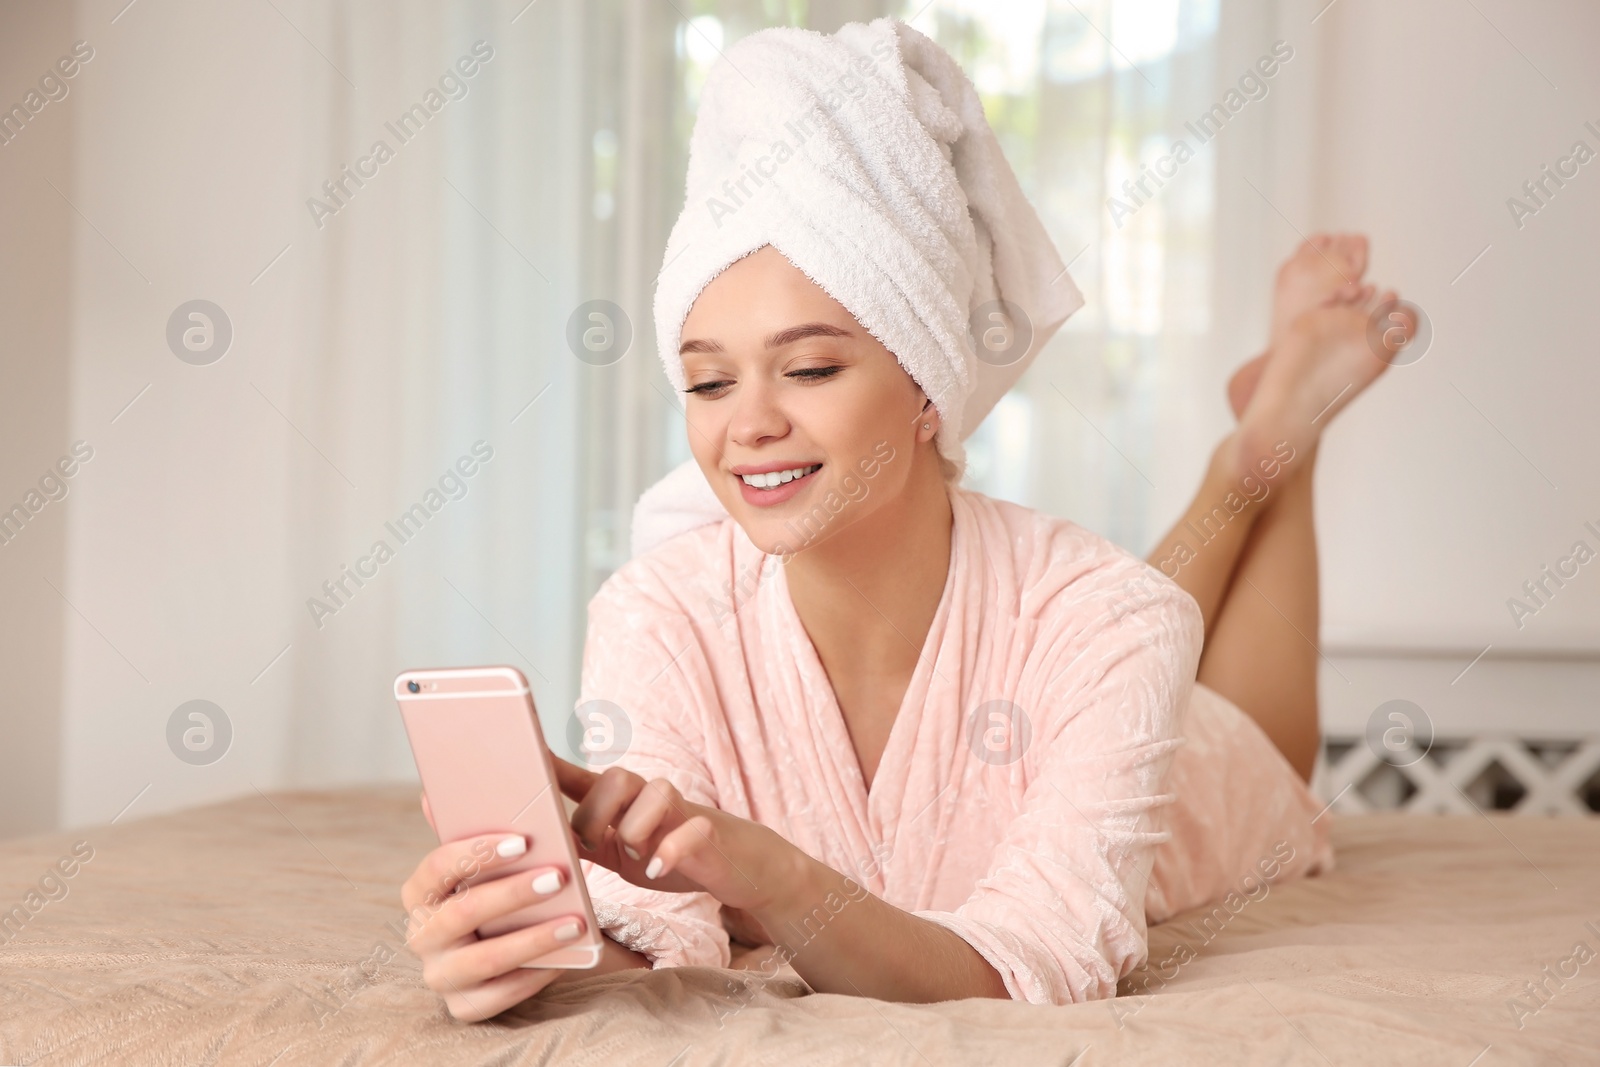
(787,390)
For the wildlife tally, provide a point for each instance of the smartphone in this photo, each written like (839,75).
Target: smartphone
(486,769)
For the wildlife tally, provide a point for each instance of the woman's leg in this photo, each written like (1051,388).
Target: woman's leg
(1254,576)
(1246,547)
(1202,551)
(1263,649)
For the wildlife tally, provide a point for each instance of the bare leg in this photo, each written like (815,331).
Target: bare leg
(1202,551)
(1251,563)
(1325,269)
(1256,582)
(1262,652)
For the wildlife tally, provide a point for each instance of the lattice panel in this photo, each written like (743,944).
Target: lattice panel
(1466,775)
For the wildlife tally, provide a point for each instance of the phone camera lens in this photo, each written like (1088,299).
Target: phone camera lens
(413,686)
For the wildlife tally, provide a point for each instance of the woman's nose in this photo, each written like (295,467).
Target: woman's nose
(757,415)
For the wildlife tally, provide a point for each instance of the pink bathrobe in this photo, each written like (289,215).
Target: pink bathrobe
(1054,778)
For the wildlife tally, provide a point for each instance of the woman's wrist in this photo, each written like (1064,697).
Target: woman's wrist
(803,889)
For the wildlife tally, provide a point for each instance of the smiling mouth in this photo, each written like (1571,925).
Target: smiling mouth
(773,479)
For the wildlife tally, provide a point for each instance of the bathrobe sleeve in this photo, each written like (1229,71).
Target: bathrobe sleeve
(639,658)
(1060,912)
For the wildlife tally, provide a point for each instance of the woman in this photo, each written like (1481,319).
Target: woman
(913,742)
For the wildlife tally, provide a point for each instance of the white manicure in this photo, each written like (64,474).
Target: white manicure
(547,883)
(654,868)
(632,855)
(510,846)
(566,931)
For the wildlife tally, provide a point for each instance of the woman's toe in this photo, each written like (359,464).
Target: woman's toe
(1349,253)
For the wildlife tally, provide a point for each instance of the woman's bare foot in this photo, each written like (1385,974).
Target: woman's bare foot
(1317,271)
(1323,361)
(1321,269)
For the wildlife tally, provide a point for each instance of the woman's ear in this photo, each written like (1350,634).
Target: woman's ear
(927,422)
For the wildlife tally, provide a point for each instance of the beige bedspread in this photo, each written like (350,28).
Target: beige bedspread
(260,932)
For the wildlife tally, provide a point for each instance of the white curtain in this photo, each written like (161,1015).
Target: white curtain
(413,322)
(436,321)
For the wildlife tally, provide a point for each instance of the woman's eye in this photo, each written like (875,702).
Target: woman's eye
(810,374)
(708,388)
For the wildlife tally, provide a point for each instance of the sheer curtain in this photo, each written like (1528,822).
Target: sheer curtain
(436,324)
(381,345)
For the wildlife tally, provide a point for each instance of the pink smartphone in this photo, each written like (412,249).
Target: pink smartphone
(487,770)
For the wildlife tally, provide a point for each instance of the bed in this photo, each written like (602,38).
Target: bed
(264,931)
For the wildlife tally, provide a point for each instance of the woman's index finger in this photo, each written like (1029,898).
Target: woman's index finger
(575,781)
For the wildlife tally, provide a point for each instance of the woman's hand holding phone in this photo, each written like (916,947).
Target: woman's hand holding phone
(640,828)
(479,978)
(500,910)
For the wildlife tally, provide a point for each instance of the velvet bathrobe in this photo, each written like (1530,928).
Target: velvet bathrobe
(1055,777)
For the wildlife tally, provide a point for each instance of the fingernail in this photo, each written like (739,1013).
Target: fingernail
(632,855)
(547,883)
(567,932)
(654,868)
(510,846)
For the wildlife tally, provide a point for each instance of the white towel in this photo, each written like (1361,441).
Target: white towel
(865,158)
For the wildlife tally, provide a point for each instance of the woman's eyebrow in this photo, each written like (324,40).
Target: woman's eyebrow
(778,340)
(800,333)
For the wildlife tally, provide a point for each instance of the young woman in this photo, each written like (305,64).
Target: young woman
(915,743)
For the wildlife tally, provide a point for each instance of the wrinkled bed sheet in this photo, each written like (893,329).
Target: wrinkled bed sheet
(265,931)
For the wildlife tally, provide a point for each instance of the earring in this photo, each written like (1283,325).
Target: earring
(927,426)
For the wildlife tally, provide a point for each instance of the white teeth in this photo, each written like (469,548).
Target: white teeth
(774,479)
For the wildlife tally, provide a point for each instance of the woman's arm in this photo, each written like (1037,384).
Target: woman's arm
(836,935)
(842,939)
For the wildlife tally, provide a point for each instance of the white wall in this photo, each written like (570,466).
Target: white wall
(1457,478)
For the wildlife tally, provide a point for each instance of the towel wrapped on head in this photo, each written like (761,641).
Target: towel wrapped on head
(864,157)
